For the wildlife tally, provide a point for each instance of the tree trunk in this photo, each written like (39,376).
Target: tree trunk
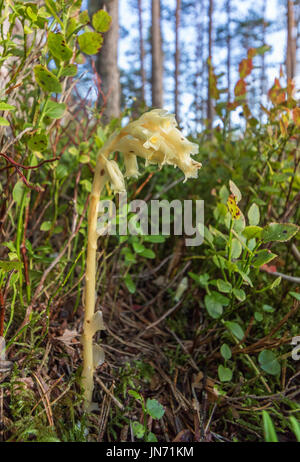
(142,51)
(157,58)
(209,100)
(107,60)
(291,42)
(263,61)
(177,59)
(200,65)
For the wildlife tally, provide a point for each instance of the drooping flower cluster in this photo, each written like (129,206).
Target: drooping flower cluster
(156,138)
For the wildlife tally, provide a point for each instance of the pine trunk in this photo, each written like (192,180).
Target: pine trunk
(157,58)
(142,51)
(291,42)
(209,99)
(177,59)
(107,60)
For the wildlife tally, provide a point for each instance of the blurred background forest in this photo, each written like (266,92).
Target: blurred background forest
(160,50)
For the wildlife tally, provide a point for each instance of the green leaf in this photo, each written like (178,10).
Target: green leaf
(58,47)
(6,107)
(258,316)
(214,308)
(130,284)
(155,239)
(55,110)
(253,215)
(18,191)
(235,329)
(101,21)
(245,277)
(135,395)
(268,362)
(275,283)
(269,430)
(252,231)
(138,429)
(90,42)
(4,122)
(295,426)
(224,286)
(268,309)
(45,226)
(226,351)
(224,373)
(138,248)
(69,71)
(48,81)
(10,265)
(279,232)
(84,17)
(239,294)
(295,295)
(262,257)
(38,142)
(147,253)
(151,438)
(154,408)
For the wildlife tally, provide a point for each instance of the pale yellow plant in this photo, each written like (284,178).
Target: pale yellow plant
(156,138)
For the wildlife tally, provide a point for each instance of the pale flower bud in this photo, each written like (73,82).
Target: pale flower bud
(131,165)
(115,176)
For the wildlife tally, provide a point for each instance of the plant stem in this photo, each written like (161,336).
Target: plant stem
(89,328)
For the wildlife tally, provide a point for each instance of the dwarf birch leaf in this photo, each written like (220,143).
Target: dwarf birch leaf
(55,110)
(46,80)
(58,47)
(90,42)
(38,142)
(69,71)
(101,21)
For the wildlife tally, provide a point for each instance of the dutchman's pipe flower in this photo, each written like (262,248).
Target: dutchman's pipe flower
(154,137)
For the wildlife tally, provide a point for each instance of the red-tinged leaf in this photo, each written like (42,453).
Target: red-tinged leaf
(281,74)
(246,111)
(240,88)
(269,268)
(296,116)
(245,67)
(290,88)
(232,106)
(251,53)
(276,93)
